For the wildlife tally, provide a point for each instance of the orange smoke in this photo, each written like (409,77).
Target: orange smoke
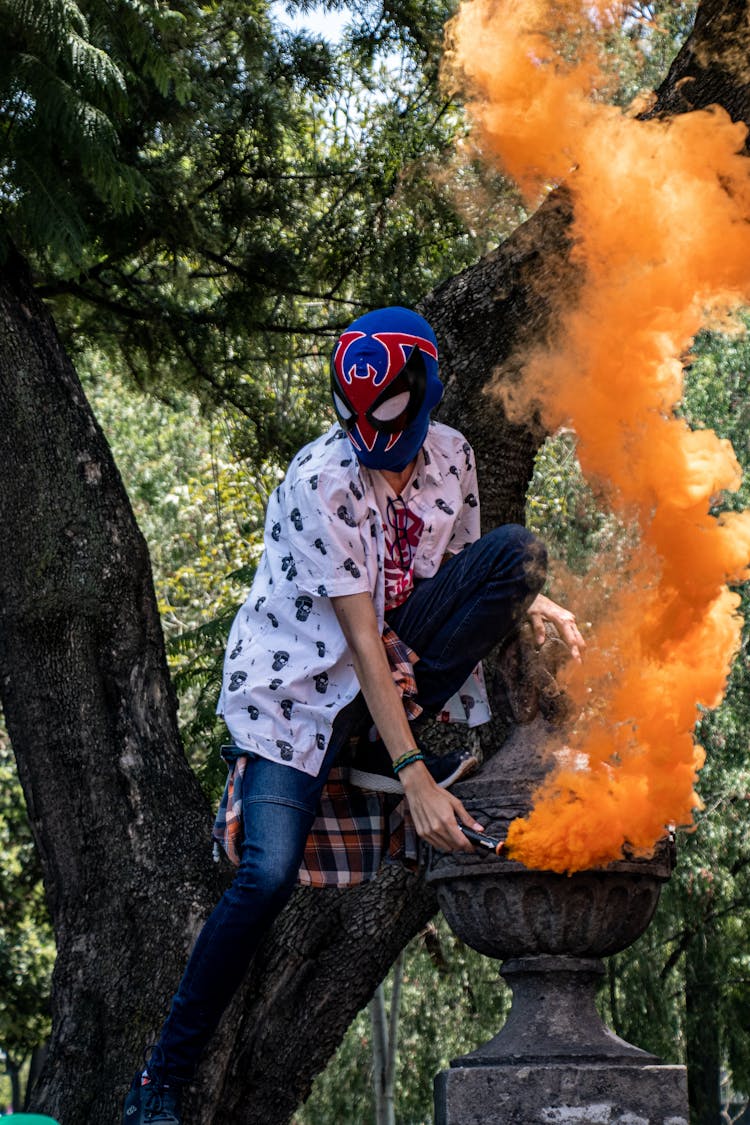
(662,234)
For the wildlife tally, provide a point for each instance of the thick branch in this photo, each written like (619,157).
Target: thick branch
(713,67)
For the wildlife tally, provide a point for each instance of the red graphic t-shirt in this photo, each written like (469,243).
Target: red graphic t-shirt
(403,530)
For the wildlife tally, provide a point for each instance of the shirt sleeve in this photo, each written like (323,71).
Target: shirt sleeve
(467,528)
(328,529)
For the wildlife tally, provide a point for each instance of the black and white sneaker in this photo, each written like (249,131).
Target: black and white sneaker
(151,1101)
(446,770)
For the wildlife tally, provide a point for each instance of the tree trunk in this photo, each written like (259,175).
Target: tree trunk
(384,1023)
(120,822)
(117,815)
(702,988)
(13,1070)
(38,1058)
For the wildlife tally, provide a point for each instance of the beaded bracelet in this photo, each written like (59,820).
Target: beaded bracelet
(407,754)
(407,759)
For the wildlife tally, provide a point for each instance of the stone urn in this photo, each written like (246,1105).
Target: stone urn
(554,1060)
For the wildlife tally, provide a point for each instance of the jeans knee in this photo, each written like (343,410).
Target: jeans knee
(267,882)
(527,553)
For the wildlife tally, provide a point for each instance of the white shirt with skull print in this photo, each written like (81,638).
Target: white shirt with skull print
(287,669)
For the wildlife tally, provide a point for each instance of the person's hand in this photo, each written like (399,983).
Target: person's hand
(544,609)
(435,811)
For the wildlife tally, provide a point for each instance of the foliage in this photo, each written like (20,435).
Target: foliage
(640,51)
(270,187)
(27,949)
(563,509)
(60,94)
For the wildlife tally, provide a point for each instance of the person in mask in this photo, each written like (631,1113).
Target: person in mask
(372,547)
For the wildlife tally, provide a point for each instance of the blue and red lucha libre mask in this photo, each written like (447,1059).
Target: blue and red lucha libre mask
(384,379)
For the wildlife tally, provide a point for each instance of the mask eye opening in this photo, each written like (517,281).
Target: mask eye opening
(391,408)
(346,421)
(412,378)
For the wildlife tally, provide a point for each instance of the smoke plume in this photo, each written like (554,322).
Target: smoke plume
(661,232)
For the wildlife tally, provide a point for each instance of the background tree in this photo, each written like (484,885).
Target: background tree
(85,689)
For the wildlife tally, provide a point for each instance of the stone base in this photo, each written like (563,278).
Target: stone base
(562,1094)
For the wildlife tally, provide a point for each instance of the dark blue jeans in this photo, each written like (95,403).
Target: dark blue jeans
(452,621)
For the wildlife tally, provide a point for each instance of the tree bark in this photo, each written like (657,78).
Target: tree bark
(120,822)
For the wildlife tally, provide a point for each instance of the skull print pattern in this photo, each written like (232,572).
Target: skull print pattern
(287,670)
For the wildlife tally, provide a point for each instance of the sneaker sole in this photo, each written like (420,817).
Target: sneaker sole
(379,783)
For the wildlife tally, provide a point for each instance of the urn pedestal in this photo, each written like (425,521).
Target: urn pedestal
(554,1061)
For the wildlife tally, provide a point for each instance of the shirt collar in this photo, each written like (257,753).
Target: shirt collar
(427,466)
(427,469)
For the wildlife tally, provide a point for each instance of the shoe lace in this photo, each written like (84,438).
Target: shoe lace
(159,1098)
(153,1055)
(157,1094)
